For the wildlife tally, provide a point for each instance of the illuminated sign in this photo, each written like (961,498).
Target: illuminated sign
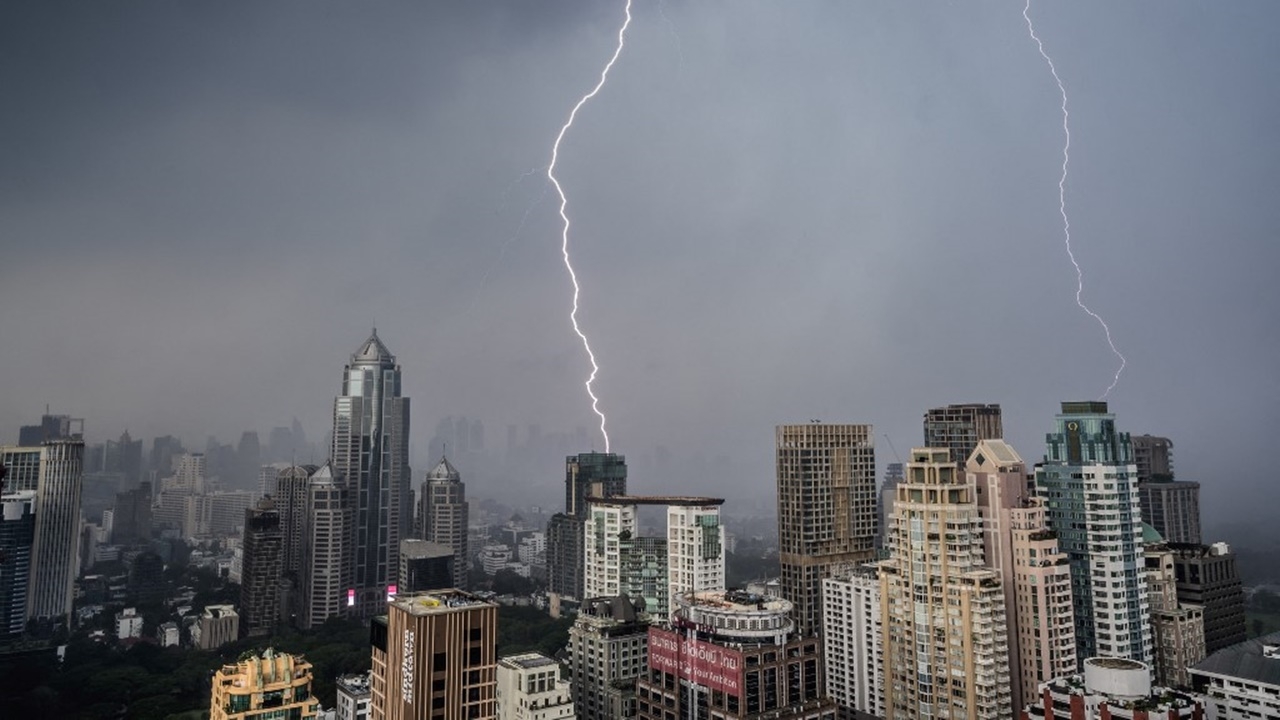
(351,598)
(391,592)
(703,663)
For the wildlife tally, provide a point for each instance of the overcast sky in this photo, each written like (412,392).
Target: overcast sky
(781,211)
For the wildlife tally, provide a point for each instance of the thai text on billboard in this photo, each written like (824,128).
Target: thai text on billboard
(700,662)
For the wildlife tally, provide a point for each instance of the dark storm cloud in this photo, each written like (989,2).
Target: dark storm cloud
(781,211)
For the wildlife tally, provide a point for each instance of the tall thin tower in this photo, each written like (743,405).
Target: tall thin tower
(442,515)
(370,455)
(826,509)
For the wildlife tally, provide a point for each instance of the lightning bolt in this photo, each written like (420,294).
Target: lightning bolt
(564,236)
(1062,202)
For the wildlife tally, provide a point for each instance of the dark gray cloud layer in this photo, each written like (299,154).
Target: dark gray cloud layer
(782,211)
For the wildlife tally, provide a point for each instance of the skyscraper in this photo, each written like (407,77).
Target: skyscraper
(326,563)
(1089,484)
(370,455)
(945,629)
(442,516)
(434,655)
(1017,542)
(826,509)
(54,471)
(290,500)
(260,578)
(959,428)
(17,535)
(588,474)
(1153,457)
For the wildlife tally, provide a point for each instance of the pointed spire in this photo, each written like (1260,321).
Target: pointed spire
(372,350)
(444,470)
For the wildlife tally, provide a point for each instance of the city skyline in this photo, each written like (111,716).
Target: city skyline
(185,177)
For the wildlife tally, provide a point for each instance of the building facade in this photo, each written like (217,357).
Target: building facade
(217,626)
(1241,681)
(945,634)
(1088,483)
(729,655)
(370,456)
(960,428)
(853,643)
(425,566)
(826,509)
(352,696)
(1177,630)
(17,537)
(1112,689)
(1017,541)
(434,656)
(530,688)
(608,651)
(273,685)
(1206,576)
(587,474)
(442,516)
(54,472)
(1173,509)
(261,572)
(1153,458)
(326,588)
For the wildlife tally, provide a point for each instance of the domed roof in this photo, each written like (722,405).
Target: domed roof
(1151,536)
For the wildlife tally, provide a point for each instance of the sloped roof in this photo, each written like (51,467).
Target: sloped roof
(372,350)
(1247,660)
(444,470)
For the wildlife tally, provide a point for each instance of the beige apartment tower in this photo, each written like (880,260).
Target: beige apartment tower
(826,510)
(1017,542)
(434,656)
(275,685)
(946,649)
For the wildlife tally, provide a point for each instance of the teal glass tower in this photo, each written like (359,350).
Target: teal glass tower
(1089,483)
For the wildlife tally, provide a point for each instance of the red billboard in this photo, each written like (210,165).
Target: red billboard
(703,663)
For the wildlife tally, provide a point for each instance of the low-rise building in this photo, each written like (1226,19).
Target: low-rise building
(168,634)
(353,697)
(530,688)
(128,624)
(219,625)
(1112,689)
(854,647)
(1241,681)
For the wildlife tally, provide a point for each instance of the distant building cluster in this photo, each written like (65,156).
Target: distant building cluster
(961,583)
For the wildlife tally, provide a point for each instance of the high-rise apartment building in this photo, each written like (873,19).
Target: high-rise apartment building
(261,574)
(425,566)
(530,688)
(292,485)
(17,536)
(325,582)
(960,428)
(51,427)
(608,649)
(370,455)
(54,472)
(1089,485)
(434,656)
(352,695)
(1153,457)
(442,516)
(275,685)
(587,474)
(217,626)
(1017,542)
(1177,630)
(853,643)
(732,655)
(188,477)
(826,509)
(619,561)
(946,647)
(131,517)
(884,502)
(1206,575)
(1172,507)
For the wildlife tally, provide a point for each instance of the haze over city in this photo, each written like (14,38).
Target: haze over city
(782,212)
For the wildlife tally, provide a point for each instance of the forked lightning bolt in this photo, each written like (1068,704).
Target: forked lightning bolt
(1062,201)
(564,237)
